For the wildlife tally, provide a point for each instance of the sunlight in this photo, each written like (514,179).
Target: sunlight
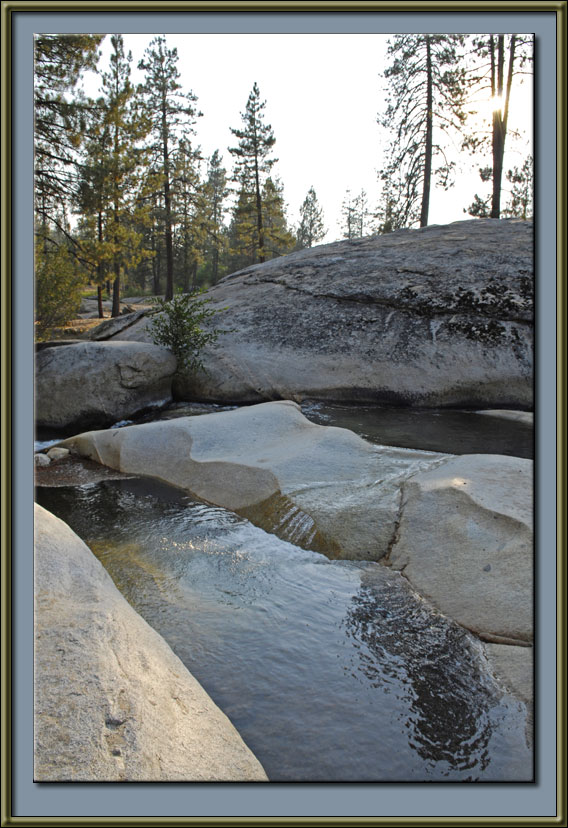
(496,103)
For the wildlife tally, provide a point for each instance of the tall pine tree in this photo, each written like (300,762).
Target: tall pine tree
(253,162)
(172,115)
(426,98)
(500,58)
(124,208)
(59,117)
(216,192)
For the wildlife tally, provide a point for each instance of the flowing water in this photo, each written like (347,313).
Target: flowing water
(330,670)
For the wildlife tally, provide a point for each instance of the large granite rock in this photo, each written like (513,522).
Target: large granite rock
(112,701)
(459,528)
(465,542)
(97,383)
(441,316)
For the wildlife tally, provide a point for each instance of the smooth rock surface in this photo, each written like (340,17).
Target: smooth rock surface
(465,542)
(441,316)
(97,383)
(112,701)
(321,487)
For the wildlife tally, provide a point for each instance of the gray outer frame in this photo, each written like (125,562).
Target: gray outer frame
(26,803)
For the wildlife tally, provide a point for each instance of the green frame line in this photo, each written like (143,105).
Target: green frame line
(7,8)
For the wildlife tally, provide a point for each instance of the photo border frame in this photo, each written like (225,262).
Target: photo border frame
(11,460)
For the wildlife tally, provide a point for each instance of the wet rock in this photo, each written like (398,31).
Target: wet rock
(112,701)
(441,316)
(41,460)
(57,453)
(465,542)
(513,667)
(97,383)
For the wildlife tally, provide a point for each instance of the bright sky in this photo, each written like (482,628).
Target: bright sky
(323,93)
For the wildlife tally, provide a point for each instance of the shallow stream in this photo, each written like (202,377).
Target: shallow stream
(330,670)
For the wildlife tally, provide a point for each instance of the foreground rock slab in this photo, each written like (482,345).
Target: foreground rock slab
(112,701)
(441,316)
(97,383)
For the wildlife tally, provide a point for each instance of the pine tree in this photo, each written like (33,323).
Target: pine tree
(311,228)
(349,218)
(190,211)
(59,116)
(215,193)
(361,207)
(520,204)
(253,163)
(427,87)
(92,196)
(277,237)
(124,210)
(355,211)
(169,111)
(243,229)
(501,57)
(394,211)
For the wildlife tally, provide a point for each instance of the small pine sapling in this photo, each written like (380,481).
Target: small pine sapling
(179,327)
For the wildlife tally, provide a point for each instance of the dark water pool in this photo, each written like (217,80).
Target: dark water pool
(448,431)
(330,670)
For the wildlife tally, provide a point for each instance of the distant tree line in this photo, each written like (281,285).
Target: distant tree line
(125,200)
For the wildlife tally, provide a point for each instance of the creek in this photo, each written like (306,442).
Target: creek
(330,670)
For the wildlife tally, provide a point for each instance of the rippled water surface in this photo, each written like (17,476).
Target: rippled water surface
(330,670)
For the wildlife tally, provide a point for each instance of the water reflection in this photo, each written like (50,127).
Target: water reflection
(403,640)
(445,430)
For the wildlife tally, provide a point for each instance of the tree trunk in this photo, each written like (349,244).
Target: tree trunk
(498,147)
(215,273)
(116,294)
(500,116)
(100,270)
(428,142)
(185,287)
(168,208)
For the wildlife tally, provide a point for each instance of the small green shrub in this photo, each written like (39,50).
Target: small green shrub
(179,328)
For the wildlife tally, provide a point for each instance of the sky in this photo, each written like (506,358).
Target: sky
(323,93)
